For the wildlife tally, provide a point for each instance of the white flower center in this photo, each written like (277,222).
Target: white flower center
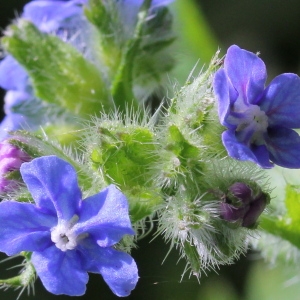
(64,236)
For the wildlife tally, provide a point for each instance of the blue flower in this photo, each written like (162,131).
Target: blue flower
(68,236)
(259,120)
(51,15)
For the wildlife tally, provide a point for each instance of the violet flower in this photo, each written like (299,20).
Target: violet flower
(259,120)
(68,236)
(242,205)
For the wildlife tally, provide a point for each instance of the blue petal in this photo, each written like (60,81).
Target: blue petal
(118,269)
(53,185)
(12,75)
(60,272)
(281,101)
(247,73)
(284,147)
(13,122)
(226,96)
(24,227)
(15,98)
(239,151)
(262,155)
(49,15)
(105,217)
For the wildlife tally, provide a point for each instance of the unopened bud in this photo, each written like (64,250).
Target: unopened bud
(243,205)
(11,159)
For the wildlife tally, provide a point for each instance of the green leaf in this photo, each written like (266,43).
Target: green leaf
(59,73)
(122,86)
(286,226)
(98,15)
(292,202)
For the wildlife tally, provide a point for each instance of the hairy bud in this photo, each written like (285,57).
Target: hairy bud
(242,204)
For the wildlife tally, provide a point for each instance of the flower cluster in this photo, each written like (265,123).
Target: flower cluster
(88,66)
(68,236)
(259,119)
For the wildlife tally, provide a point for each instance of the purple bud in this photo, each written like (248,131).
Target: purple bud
(242,205)
(11,159)
(255,209)
(239,193)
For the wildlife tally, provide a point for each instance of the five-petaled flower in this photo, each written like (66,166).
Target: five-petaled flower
(259,119)
(68,236)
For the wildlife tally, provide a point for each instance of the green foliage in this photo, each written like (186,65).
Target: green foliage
(59,73)
(25,279)
(286,225)
(122,85)
(124,156)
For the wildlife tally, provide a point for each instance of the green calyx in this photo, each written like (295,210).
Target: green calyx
(124,157)
(25,279)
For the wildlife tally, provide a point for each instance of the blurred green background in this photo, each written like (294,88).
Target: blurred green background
(271,27)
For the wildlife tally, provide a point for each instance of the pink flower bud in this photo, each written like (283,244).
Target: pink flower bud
(11,159)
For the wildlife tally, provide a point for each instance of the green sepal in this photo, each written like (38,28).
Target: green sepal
(97,13)
(124,158)
(25,279)
(193,110)
(59,73)
(13,175)
(142,202)
(125,155)
(226,247)
(67,134)
(193,258)
(179,145)
(181,159)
